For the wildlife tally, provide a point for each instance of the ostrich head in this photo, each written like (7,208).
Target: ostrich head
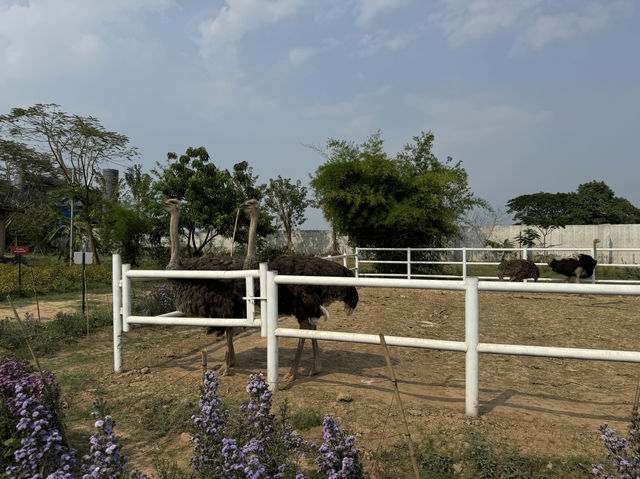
(171,205)
(250,206)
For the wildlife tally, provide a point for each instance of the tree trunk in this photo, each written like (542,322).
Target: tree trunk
(92,241)
(3,231)
(334,237)
(289,242)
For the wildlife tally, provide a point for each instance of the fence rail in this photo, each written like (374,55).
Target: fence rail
(268,321)
(469,257)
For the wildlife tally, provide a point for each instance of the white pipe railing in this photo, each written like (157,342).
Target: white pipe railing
(269,281)
(465,262)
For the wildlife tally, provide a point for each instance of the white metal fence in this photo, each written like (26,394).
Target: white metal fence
(269,281)
(467,257)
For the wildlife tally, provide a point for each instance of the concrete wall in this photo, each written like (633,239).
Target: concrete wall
(577,236)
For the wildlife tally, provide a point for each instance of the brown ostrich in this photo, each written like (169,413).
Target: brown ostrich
(306,302)
(518,269)
(207,298)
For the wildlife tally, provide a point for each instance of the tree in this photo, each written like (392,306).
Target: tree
(212,197)
(79,146)
(26,178)
(287,201)
(544,211)
(593,203)
(413,199)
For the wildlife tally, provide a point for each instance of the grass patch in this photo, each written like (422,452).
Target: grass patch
(164,415)
(304,419)
(482,458)
(47,337)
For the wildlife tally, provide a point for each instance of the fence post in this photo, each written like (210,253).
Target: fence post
(251,303)
(116,268)
(126,297)
(263,298)
(471,315)
(357,268)
(272,325)
(408,263)
(593,255)
(464,263)
(524,253)
(344,259)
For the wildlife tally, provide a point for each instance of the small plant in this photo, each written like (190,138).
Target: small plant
(306,419)
(158,301)
(622,452)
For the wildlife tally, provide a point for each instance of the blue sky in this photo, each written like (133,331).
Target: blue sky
(531,95)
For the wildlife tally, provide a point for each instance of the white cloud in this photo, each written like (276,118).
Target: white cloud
(65,37)
(371,44)
(301,55)
(238,18)
(541,21)
(550,28)
(367,10)
(457,121)
(465,20)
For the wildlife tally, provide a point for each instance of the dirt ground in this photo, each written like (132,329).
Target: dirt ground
(540,406)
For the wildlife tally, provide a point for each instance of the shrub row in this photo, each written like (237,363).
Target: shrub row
(50,278)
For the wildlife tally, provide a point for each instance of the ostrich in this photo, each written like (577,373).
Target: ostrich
(306,302)
(208,298)
(518,269)
(580,267)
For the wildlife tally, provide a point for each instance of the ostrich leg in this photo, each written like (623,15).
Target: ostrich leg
(230,355)
(291,376)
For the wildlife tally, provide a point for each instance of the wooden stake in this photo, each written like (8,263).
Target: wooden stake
(204,362)
(392,374)
(35,290)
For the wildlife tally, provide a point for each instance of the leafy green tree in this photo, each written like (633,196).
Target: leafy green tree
(27,181)
(79,146)
(544,211)
(593,203)
(287,201)
(413,199)
(211,197)
(596,203)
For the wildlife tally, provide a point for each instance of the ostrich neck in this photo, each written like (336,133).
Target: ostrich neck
(174,237)
(251,244)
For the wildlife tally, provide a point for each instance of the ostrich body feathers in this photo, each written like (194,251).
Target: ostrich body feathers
(518,269)
(306,301)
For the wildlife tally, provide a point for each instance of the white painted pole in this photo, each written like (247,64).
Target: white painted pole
(344,259)
(471,317)
(408,263)
(464,263)
(357,268)
(251,303)
(126,297)
(272,325)
(264,267)
(524,253)
(116,268)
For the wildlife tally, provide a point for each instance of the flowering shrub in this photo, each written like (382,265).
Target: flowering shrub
(264,447)
(158,301)
(43,452)
(104,459)
(338,457)
(623,453)
(52,278)
(14,373)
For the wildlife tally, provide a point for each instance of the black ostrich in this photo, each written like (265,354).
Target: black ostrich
(207,298)
(578,268)
(306,302)
(518,269)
